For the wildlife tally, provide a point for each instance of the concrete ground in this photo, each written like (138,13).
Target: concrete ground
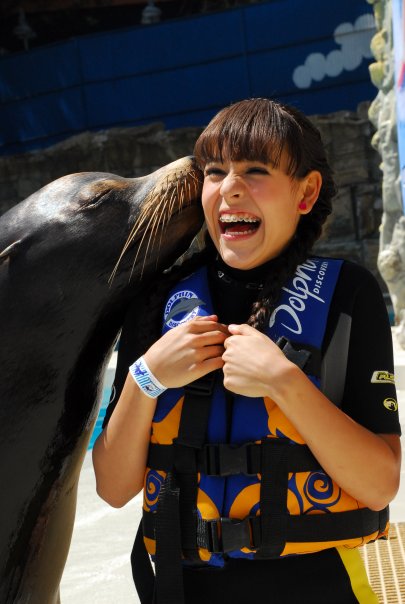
(98,569)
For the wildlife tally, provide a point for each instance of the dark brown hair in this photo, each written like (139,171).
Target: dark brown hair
(260,130)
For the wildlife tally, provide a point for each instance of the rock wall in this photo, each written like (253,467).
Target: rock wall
(352,231)
(129,152)
(391,257)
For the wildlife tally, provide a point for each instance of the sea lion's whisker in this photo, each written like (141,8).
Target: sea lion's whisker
(143,218)
(166,214)
(156,212)
(154,220)
(145,233)
(171,202)
(135,229)
(166,208)
(154,226)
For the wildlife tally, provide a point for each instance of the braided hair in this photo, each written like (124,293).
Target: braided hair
(261,130)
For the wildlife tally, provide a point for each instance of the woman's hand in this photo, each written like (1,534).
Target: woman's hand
(188,351)
(252,362)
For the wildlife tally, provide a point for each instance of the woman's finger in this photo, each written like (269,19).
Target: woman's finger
(208,352)
(211,338)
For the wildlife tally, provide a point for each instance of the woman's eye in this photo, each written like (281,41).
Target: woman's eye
(214,172)
(257,170)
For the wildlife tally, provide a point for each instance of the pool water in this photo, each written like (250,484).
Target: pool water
(100,418)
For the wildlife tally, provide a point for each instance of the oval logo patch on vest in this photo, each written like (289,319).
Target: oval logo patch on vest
(390,404)
(181,307)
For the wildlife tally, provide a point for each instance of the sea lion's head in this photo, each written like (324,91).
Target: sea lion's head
(156,216)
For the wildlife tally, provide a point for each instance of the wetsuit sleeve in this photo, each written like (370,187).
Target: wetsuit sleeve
(369,395)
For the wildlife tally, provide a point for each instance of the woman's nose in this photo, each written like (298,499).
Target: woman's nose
(231,187)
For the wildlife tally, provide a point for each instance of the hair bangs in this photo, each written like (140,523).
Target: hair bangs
(253,130)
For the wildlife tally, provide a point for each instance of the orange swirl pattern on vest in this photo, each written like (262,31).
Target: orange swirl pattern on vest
(166,430)
(153,482)
(279,426)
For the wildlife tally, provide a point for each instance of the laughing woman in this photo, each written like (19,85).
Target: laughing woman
(261,420)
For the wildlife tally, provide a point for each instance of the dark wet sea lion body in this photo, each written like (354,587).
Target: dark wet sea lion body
(59,317)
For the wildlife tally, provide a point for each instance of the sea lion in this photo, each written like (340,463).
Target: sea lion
(73,255)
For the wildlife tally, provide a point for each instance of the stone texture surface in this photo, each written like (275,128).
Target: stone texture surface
(129,152)
(352,230)
(382,113)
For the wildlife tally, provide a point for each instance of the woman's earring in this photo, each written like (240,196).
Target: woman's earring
(302,205)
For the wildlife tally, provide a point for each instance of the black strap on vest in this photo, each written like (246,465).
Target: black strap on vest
(273,500)
(142,571)
(177,505)
(169,571)
(268,533)
(227,459)
(224,535)
(191,437)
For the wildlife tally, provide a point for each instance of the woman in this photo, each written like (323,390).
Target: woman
(268,404)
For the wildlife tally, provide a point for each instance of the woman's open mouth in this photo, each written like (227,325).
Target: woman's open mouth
(239,224)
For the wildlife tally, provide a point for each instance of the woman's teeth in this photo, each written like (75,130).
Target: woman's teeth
(239,224)
(238,218)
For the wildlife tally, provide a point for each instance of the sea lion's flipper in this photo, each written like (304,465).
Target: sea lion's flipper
(9,251)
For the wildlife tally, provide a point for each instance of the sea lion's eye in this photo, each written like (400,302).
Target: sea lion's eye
(93,195)
(90,203)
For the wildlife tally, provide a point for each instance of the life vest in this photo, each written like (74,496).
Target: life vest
(231,476)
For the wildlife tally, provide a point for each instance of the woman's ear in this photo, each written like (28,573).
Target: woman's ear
(311,185)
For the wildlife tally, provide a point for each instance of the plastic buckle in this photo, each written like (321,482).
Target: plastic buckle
(235,534)
(228,535)
(213,544)
(232,460)
(225,460)
(298,357)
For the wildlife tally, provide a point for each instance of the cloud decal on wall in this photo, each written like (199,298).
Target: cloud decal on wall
(354,41)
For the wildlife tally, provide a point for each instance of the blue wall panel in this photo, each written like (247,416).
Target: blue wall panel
(154,96)
(39,71)
(288,22)
(181,72)
(170,45)
(42,116)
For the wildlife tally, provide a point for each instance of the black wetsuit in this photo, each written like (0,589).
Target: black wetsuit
(329,576)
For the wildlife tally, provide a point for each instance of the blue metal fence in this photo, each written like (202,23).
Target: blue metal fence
(309,53)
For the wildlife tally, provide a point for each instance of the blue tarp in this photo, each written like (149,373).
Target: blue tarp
(305,52)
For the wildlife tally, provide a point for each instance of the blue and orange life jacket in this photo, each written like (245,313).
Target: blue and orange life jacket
(229,475)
